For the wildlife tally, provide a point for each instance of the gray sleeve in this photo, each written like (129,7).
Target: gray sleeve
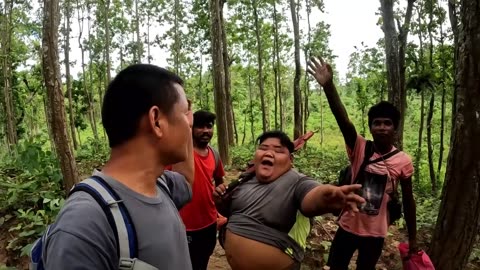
(304,185)
(81,238)
(180,189)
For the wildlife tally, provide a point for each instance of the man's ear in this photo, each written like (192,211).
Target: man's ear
(156,121)
(291,158)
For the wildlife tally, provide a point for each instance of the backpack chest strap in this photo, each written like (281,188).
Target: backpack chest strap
(134,264)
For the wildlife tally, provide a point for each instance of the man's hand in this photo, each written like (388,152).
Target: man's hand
(343,197)
(222,201)
(322,72)
(328,198)
(218,193)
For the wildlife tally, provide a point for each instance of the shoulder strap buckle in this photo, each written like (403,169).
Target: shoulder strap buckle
(126,264)
(134,264)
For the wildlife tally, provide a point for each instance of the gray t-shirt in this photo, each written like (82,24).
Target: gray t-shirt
(269,212)
(82,238)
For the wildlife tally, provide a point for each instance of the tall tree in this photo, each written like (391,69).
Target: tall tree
(458,221)
(297,94)
(231,126)
(261,83)
(431,106)
(276,69)
(55,99)
(6,45)
(219,77)
(68,79)
(395,48)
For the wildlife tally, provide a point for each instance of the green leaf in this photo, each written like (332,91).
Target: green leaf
(26,233)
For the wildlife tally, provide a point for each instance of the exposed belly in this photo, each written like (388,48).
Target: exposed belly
(247,254)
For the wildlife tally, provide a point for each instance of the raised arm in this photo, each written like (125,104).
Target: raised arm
(322,72)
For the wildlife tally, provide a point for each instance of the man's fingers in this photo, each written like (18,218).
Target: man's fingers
(353,206)
(220,189)
(315,61)
(312,66)
(309,70)
(354,198)
(350,188)
(321,60)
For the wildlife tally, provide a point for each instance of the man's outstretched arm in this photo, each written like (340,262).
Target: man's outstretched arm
(322,72)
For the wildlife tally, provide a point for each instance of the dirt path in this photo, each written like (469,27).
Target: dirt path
(218,261)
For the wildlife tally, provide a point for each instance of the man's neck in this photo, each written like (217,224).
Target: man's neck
(383,149)
(134,169)
(201,149)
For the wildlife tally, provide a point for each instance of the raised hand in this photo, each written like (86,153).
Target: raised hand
(321,71)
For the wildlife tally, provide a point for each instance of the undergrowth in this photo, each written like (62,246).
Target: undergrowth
(31,192)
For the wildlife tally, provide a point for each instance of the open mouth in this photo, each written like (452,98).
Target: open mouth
(267,162)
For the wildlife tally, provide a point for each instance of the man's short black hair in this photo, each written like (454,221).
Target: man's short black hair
(282,136)
(201,118)
(131,94)
(384,109)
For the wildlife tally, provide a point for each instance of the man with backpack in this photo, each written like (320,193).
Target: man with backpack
(200,215)
(125,216)
(378,166)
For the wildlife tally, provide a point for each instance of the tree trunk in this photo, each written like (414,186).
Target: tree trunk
(250,95)
(395,45)
(176,36)
(138,45)
(260,65)
(200,85)
(51,74)
(90,79)
(431,106)
(219,78)
(9,107)
(429,143)
(149,56)
(244,127)
(278,72)
(107,42)
(321,119)
(297,95)
(231,127)
(67,74)
(84,73)
(442,118)
(306,109)
(452,14)
(418,156)
(458,221)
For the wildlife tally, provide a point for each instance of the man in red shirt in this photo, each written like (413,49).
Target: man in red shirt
(200,215)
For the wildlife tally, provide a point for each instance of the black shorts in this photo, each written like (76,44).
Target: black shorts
(344,245)
(201,244)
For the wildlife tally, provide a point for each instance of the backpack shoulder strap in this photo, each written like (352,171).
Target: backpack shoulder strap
(385,157)
(116,212)
(368,153)
(216,155)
